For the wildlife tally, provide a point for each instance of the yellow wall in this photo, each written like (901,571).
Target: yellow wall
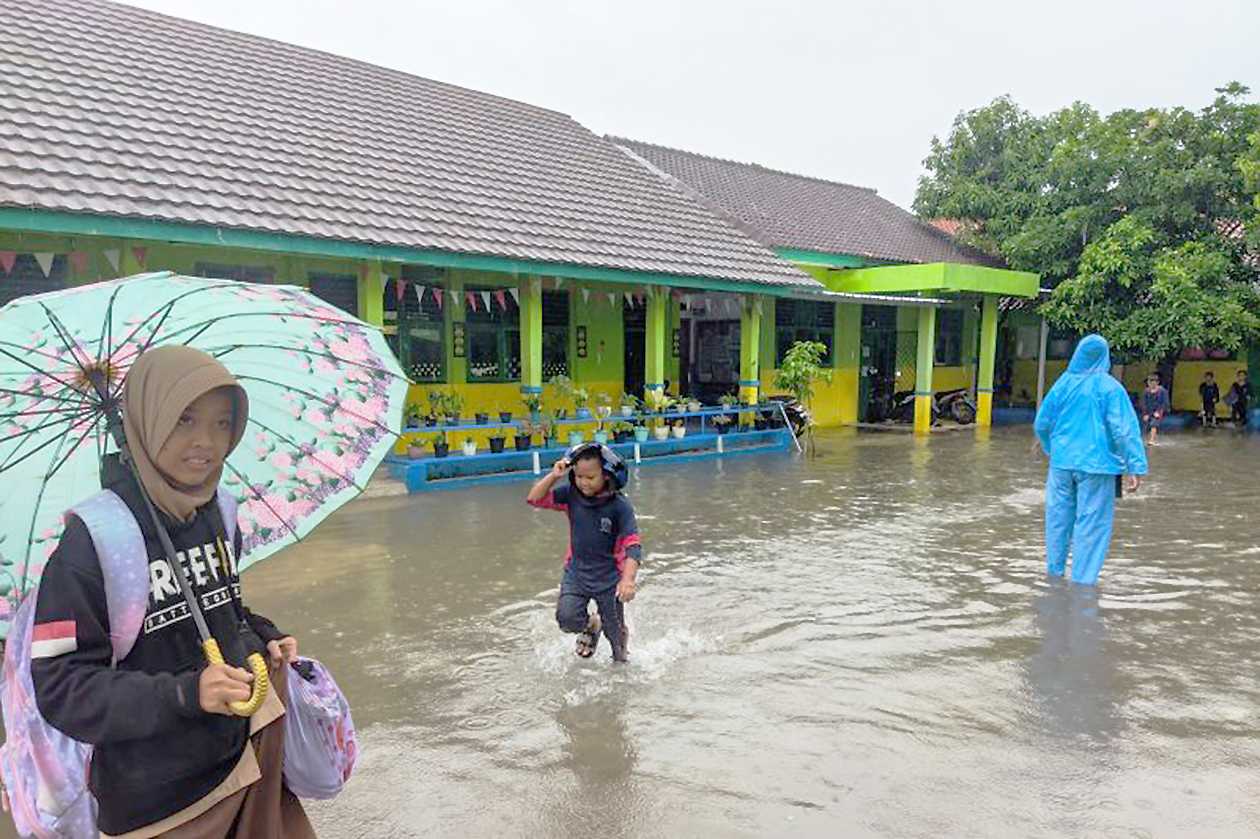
(1024,379)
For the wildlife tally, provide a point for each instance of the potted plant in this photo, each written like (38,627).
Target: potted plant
(548,429)
(661,431)
(623,432)
(481,418)
(524,438)
(693,405)
(641,433)
(575,438)
(441,448)
(580,400)
(722,422)
(679,429)
(496,442)
(415,449)
(413,415)
(657,401)
(564,390)
(505,417)
(453,403)
(437,407)
(800,368)
(601,437)
(533,404)
(629,404)
(728,401)
(470,446)
(603,405)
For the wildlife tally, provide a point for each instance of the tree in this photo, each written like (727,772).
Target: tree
(800,368)
(1134,218)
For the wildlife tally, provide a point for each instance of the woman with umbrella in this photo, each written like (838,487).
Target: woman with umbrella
(171,756)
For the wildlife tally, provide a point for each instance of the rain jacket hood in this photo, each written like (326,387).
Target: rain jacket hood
(1087,422)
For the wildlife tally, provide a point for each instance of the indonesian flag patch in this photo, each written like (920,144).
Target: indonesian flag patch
(49,640)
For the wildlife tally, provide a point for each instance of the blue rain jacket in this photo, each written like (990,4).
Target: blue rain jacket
(1087,422)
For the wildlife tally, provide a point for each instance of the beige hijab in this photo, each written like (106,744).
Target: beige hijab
(162,383)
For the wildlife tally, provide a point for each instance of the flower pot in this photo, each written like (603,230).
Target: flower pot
(470,449)
(723,428)
(430,422)
(761,424)
(496,444)
(575,438)
(601,437)
(441,449)
(583,413)
(627,410)
(622,437)
(453,419)
(661,432)
(693,406)
(505,417)
(679,431)
(641,433)
(482,419)
(414,451)
(523,442)
(535,416)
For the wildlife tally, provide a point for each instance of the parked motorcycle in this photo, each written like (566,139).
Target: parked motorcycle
(955,404)
(797,414)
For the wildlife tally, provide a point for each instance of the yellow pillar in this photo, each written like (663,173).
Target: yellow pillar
(655,336)
(923,371)
(372,293)
(988,358)
(531,337)
(750,350)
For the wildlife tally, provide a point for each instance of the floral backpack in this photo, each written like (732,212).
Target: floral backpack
(45,771)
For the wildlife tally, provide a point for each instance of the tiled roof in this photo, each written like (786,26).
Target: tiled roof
(799,212)
(109,109)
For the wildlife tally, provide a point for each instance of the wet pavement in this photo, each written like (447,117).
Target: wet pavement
(860,645)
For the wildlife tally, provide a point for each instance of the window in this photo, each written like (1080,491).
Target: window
(340,290)
(240,273)
(803,320)
(494,340)
(416,332)
(555,334)
(949,340)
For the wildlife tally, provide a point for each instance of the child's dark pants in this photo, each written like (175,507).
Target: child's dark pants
(572,615)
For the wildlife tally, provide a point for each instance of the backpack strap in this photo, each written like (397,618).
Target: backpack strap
(124,559)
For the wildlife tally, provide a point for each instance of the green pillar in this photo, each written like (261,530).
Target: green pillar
(655,335)
(923,370)
(372,293)
(531,336)
(988,358)
(750,350)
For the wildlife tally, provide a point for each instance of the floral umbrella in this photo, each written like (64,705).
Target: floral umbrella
(326,401)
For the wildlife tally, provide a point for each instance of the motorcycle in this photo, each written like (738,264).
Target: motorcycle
(955,404)
(797,414)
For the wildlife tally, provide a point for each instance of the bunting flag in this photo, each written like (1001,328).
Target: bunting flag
(501,296)
(612,299)
(559,282)
(485,298)
(454,297)
(586,295)
(141,255)
(400,289)
(471,300)
(112,255)
(640,299)
(79,259)
(437,297)
(630,300)
(419,294)
(516,295)
(7,259)
(45,261)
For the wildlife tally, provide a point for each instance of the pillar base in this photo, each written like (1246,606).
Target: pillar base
(984,409)
(922,415)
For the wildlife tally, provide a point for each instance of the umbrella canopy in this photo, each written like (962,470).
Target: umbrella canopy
(326,401)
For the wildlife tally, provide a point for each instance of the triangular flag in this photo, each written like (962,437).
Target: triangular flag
(112,255)
(516,295)
(501,296)
(612,299)
(400,288)
(485,298)
(141,255)
(437,297)
(559,282)
(419,294)
(79,259)
(7,258)
(471,299)
(454,297)
(45,261)
(630,300)
(640,298)
(586,295)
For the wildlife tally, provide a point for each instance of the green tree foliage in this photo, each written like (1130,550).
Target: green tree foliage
(1135,218)
(800,369)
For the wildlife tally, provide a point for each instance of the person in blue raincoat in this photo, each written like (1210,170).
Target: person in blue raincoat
(1088,428)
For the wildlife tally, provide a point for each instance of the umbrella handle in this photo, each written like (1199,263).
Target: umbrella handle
(262,683)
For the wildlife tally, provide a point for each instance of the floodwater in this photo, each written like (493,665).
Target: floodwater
(860,645)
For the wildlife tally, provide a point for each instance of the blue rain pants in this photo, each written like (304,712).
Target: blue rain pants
(1080,512)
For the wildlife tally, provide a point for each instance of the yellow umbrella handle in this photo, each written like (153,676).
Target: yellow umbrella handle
(261,682)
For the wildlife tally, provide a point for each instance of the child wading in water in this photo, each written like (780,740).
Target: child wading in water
(1210,393)
(604,547)
(1238,398)
(1155,405)
(169,757)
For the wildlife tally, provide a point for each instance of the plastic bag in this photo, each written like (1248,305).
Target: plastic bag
(319,739)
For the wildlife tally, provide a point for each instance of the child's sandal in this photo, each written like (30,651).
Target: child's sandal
(588,640)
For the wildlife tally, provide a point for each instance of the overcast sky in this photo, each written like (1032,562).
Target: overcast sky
(851,91)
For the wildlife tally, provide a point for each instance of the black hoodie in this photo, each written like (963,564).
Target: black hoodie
(155,751)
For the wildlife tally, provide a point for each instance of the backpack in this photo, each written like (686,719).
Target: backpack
(44,771)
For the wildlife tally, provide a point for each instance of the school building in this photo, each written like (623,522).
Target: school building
(498,244)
